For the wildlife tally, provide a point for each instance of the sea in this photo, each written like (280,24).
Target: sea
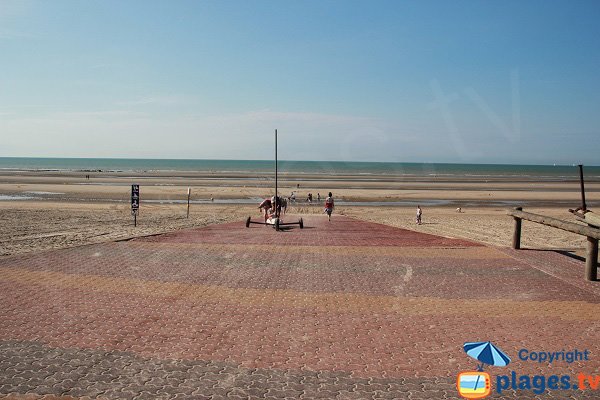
(508,171)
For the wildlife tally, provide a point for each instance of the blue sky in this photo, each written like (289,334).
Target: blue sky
(417,81)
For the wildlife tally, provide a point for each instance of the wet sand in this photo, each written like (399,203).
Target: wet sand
(172,187)
(61,209)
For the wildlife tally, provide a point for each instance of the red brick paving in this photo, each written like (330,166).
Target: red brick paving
(375,311)
(317,232)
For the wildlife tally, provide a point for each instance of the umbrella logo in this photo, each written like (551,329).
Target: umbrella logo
(477,384)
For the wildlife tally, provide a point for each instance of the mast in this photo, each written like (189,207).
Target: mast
(276,197)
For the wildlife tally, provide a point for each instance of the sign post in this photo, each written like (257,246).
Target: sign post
(135,202)
(188,208)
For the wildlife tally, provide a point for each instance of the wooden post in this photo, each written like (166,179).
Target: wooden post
(591,259)
(583,205)
(188,207)
(516,242)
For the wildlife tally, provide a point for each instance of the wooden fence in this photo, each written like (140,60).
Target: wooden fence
(592,234)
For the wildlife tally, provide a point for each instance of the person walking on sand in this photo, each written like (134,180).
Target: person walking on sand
(419,214)
(329,204)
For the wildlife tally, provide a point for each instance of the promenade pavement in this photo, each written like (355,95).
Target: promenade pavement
(338,310)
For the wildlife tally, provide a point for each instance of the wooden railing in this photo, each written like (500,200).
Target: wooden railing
(592,234)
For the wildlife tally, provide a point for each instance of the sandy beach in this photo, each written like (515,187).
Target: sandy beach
(49,209)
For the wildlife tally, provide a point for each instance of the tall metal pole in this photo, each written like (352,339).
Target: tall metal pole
(583,206)
(276,198)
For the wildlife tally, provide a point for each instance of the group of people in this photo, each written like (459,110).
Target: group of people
(271,208)
(309,197)
(274,206)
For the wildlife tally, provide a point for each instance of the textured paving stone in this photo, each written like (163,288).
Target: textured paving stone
(340,310)
(231,381)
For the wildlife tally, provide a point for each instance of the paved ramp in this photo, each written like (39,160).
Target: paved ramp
(345,309)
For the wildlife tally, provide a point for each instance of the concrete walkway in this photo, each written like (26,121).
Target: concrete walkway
(342,309)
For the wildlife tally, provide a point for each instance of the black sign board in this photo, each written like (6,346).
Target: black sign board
(135,197)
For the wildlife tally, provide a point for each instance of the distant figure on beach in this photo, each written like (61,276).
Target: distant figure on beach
(265,208)
(459,210)
(318,197)
(309,198)
(419,214)
(283,203)
(329,205)
(293,197)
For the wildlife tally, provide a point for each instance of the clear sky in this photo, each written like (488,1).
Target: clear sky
(421,81)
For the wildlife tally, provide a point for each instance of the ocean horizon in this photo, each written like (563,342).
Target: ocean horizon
(296,167)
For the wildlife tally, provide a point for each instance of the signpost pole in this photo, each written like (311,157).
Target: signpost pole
(135,202)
